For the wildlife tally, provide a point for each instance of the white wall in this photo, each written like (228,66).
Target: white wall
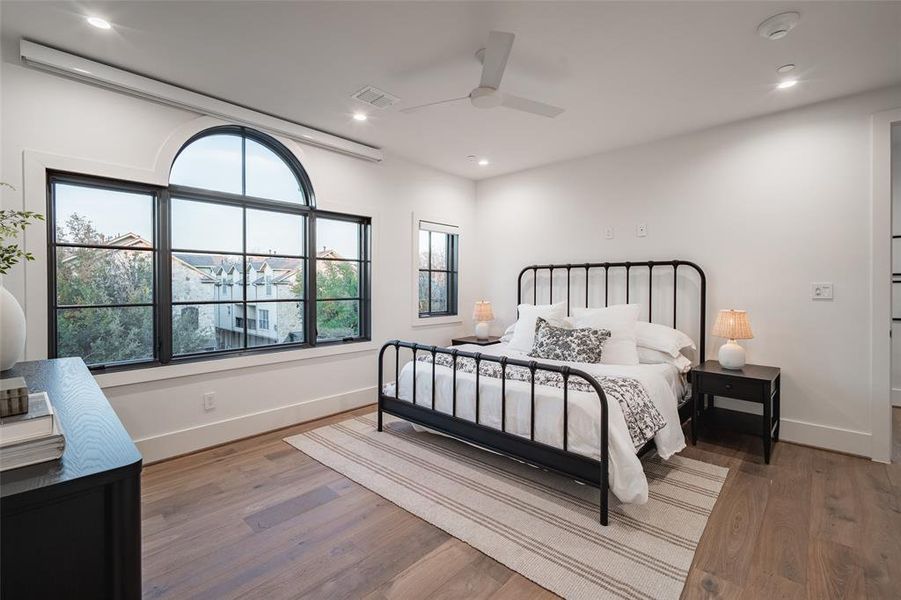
(765,206)
(56,119)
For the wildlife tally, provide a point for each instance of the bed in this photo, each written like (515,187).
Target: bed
(575,418)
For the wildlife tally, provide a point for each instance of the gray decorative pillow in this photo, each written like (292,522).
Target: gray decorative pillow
(583,345)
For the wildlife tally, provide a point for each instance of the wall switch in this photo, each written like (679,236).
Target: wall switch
(609,233)
(821,291)
(641,230)
(209,401)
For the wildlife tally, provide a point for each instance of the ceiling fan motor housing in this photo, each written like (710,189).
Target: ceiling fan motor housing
(485,97)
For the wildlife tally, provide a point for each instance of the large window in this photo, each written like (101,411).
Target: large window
(218,262)
(437,269)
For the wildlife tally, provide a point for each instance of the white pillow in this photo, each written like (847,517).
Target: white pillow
(620,319)
(524,334)
(663,338)
(508,333)
(648,356)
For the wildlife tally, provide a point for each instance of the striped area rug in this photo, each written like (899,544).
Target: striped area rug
(539,524)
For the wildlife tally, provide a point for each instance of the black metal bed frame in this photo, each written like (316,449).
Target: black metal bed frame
(561,460)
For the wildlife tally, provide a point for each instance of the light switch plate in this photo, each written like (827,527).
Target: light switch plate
(641,230)
(821,291)
(608,233)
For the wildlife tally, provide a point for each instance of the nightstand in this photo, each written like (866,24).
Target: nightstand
(752,383)
(471,339)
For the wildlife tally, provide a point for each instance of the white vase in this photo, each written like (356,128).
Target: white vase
(12,330)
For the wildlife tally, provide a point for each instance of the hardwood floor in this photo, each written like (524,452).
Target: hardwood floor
(259,519)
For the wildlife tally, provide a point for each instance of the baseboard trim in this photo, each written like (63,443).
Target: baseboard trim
(185,441)
(846,441)
(896,397)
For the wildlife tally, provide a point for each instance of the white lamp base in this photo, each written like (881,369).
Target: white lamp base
(732,356)
(482,331)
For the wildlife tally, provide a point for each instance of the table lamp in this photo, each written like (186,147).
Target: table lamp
(732,325)
(482,314)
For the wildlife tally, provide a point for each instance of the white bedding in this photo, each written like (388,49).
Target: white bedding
(663,383)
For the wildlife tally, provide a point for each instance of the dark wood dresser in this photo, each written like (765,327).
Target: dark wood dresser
(72,528)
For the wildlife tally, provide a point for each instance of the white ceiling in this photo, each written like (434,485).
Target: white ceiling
(626,73)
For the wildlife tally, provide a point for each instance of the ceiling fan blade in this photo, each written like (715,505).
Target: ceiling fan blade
(496,54)
(531,106)
(415,108)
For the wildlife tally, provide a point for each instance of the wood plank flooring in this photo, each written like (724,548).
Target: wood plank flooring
(259,519)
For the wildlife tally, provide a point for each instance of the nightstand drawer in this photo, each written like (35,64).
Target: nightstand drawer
(731,387)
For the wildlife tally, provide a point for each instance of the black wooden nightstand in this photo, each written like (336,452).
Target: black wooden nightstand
(474,340)
(753,383)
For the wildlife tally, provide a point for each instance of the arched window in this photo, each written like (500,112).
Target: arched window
(243,259)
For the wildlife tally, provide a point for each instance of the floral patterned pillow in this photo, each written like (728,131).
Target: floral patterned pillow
(583,345)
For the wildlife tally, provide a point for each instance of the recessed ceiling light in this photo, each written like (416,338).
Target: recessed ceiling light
(483,162)
(785,68)
(778,26)
(784,85)
(360,116)
(99,23)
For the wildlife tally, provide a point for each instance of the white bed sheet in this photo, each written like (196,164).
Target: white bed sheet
(627,479)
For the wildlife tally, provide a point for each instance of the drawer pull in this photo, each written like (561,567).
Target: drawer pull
(728,386)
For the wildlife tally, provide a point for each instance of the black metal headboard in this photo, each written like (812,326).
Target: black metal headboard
(628,267)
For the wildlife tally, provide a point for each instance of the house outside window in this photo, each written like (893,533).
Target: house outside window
(217,262)
(438,252)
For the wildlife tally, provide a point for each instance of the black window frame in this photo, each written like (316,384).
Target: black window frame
(452,273)
(163,302)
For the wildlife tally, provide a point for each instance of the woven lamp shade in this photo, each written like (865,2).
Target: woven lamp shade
(733,325)
(482,311)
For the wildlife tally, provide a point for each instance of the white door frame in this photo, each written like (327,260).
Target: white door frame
(881,287)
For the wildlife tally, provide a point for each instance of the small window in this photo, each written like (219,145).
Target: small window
(438,274)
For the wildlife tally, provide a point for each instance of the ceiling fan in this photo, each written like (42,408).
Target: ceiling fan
(487,95)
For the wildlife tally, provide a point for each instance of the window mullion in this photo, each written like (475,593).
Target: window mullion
(310,305)
(164,282)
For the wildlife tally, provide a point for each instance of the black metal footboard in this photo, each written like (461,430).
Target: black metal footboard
(577,466)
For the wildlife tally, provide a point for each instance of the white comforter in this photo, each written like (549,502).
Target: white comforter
(627,479)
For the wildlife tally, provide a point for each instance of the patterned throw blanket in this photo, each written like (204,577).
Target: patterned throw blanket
(642,417)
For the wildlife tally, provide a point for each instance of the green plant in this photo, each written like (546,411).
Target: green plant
(12,222)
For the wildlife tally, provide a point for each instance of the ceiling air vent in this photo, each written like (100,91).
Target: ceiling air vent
(375,97)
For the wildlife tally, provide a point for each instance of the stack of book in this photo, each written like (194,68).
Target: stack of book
(32,437)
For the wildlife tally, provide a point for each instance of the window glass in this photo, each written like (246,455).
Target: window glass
(439,293)
(268,176)
(275,323)
(202,277)
(271,232)
(274,278)
(439,250)
(337,319)
(207,226)
(337,239)
(97,216)
(105,335)
(207,328)
(424,247)
(336,279)
(210,163)
(100,276)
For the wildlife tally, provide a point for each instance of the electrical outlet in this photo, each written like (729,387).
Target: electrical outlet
(821,291)
(609,233)
(641,230)
(209,401)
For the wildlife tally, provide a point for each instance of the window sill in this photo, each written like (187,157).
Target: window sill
(173,371)
(432,321)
